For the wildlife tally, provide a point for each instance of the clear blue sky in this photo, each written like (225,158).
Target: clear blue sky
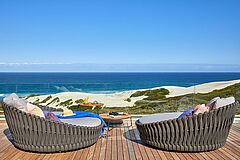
(119,32)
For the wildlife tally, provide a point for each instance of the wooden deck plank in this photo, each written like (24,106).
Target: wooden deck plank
(235,133)
(84,153)
(78,154)
(103,148)
(140,146)
(108,152)
(187,156)
(236,127)
(192,156)
(149,153)
(156,155)
(125,146)
(129,143)
(96,153)
(217,156)
(9,152)
(233,149)
(135,144)
(122,144)
(114,145)
(223,150)
(169,155)
(119,144)
(219,152)
(91,151)
(230,153)
(161,154)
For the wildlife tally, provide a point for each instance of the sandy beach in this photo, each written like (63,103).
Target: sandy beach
(119,99)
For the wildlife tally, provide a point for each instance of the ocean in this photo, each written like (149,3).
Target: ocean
(49,83)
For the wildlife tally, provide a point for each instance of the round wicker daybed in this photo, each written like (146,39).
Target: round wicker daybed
(203,132)
(37,134)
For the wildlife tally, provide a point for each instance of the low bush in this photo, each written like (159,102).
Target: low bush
(128,99)
(79,101)
(138,94)
(155,94)
(32,95)
(43,101)
(54,100)
(66,103)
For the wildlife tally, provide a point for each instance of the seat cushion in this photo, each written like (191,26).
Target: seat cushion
(33,109)
(15,101)
(224,102)
(51,116)
(159,117)
(85,121)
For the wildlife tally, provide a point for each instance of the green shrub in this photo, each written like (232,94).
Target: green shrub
(32,95)
(128,99)
(155,97)
(66,103)
(79,101)
(138,93)
(46,99)
(54,100)
(161,91)
(155,94)
(43,101)
(36,101)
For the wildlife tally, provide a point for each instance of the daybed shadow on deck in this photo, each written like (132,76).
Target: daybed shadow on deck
(123,143)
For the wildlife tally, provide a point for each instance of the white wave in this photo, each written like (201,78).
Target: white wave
(61,88)
(72,88)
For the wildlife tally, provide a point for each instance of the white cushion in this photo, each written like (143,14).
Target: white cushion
(159,117)
(14,100)
(224,102)
(35,110)
(212,101)
(85,121)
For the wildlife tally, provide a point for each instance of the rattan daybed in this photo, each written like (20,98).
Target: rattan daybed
(197,133)
(36,134)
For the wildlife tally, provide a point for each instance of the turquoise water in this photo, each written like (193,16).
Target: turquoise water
(48,83)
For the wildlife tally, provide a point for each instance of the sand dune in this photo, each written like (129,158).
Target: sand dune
(119,99)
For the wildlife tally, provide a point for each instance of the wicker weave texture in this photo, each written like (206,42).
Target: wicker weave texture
(203,132)
(51,109)
(36,134)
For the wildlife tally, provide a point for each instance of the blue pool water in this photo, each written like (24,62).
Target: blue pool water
(45,83)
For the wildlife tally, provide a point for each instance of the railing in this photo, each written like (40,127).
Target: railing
(50,88)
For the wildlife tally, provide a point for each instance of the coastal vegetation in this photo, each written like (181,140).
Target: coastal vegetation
(66,103)
(43,101)
(128,100)
(161,103)
(153,94)
(79,101)
(54,100)
(32,95)
(155,101)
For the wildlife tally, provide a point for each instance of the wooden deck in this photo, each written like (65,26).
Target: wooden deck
(121,144)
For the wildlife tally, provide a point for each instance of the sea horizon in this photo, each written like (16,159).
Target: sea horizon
(25,83)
